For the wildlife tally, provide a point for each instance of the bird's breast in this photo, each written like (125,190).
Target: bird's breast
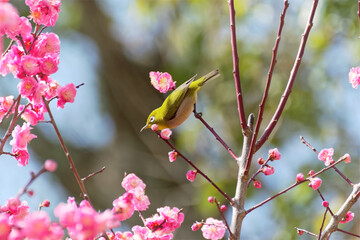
(183,112)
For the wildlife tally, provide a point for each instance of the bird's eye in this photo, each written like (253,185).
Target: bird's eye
(152,118)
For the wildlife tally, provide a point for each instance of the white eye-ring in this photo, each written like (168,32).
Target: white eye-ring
(152,119)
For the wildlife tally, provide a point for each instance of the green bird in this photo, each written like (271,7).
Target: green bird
(178,106)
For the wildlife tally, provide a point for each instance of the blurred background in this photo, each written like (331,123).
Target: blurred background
(112,45)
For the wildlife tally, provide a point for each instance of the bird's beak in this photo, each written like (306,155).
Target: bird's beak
(145,127)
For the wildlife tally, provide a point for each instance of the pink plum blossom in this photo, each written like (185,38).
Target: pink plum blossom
(140,200)
(29,65)
(213,229)
(325,204)
(166,133)
(9,18)
(22,156)
(33,113)
(348,217)
(299,177)
(16,209)
(274,154)
(145,233)
(44,12)
(65,94)
(162,81)
(132,181)
(27,87)
(5,227)
(315,183)
(46,44)
(84,222)
(21,136)
(51,88)
(172,156)
(123,207)
(35,225)
(49,64)
(354,77)
(191,175)
(325,155)
(5,104)
(23,28)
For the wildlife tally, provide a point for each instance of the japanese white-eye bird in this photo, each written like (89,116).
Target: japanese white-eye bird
(178,106)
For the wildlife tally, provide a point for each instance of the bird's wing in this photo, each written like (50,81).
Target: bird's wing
(174,100)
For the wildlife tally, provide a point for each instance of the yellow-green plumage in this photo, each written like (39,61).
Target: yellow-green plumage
(178,106)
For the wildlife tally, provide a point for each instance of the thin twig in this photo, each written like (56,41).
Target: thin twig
(322,197)
(305,231)
(93,174)
(11,126)
(67,153)
(199,116)
(236,73)
(322,223)
(349,233)
(32,179)
(223,216)
(8,48)
(7,113)
(291,80)
(267,86)
(197,169)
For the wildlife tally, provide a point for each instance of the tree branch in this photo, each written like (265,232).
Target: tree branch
(291,80)
(236,73)
(267,86)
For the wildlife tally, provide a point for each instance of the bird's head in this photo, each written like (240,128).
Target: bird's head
(155,117)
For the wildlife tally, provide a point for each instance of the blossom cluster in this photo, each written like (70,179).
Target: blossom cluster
(82,221)
(31,57)
(212,229)
(163,82)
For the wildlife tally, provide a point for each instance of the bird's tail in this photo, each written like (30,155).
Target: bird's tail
(211,75)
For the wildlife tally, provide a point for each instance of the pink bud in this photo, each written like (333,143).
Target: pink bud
(191,175)
(257,184)
(45,203)
(222,208)
(311,172)
(347,158)
(155,127)
(211,199)
(300,232)
(299,177)
(196,226)
(260,161)
(50,165)
(325,204)
(274,154)
(30,193)
(268,170)
(172,156)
